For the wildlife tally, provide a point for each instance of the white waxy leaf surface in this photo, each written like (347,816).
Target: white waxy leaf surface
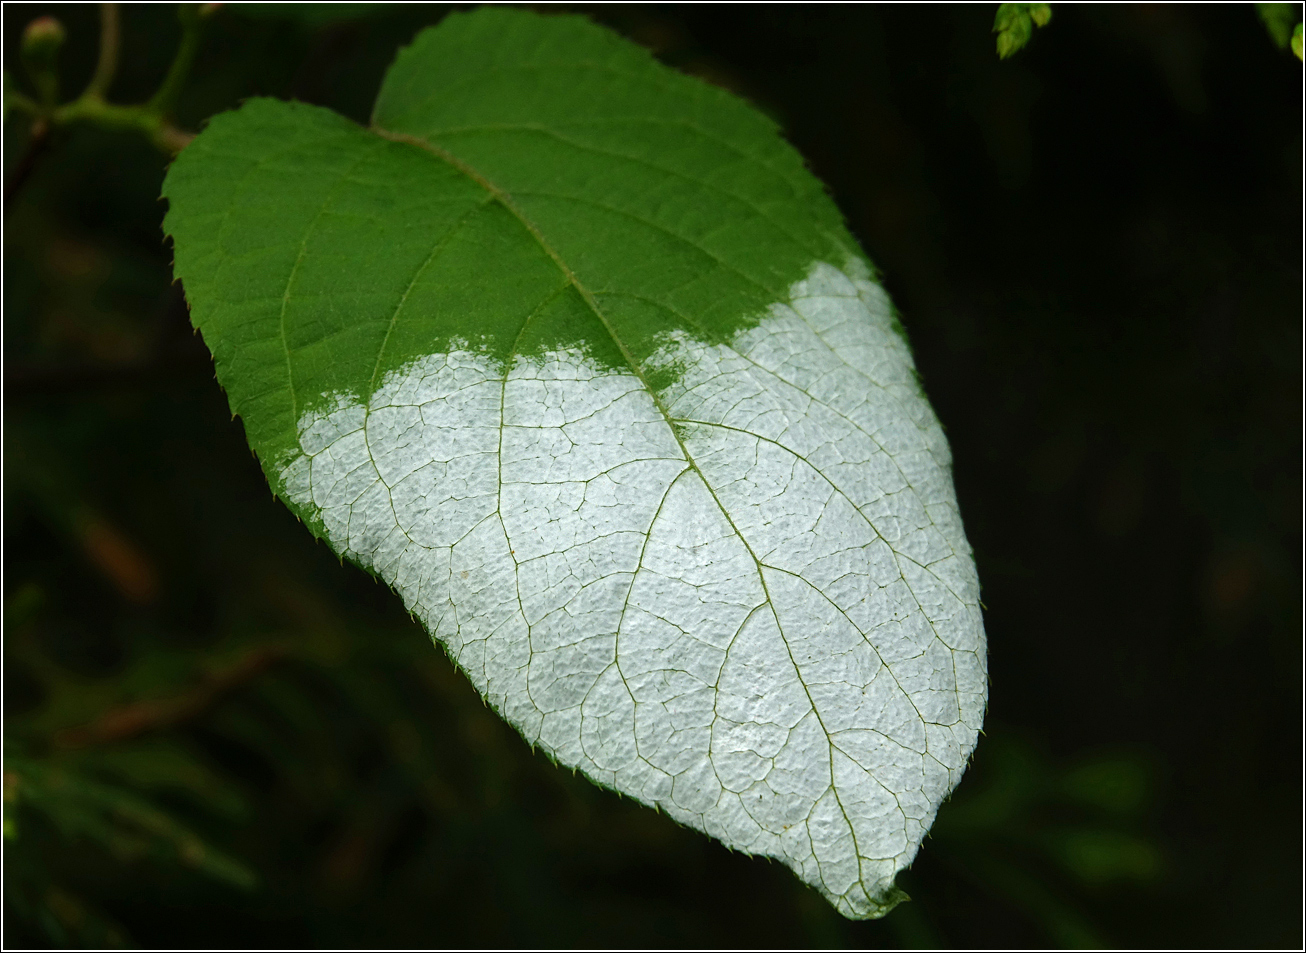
(745,598)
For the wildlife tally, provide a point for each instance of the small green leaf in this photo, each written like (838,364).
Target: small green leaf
(1297,41)
(572,351)
(1014,24)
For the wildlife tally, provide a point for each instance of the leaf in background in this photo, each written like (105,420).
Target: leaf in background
(1014,24)
(1278,19)
(81,807)
(572,351)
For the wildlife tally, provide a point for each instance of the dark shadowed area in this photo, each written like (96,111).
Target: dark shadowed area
(216,735)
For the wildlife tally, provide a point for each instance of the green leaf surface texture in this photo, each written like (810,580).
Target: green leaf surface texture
(573,352)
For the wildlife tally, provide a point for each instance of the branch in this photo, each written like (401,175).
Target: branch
(127,721)
(23,168)
(152,119)
(164,134)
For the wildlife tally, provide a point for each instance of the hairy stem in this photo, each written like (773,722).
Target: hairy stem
(151,119)
(165,135)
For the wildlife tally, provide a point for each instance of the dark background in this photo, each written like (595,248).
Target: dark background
(216,735)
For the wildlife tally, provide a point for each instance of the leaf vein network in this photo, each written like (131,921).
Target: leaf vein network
(508,204)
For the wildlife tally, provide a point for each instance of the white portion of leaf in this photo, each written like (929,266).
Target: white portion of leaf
(763,620)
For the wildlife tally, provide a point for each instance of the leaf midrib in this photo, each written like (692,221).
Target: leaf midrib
(504,199)
(543,130)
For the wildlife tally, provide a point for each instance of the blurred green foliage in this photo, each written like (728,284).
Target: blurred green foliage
(1279,19)
(1284,25)
(1014,24)
(217,735)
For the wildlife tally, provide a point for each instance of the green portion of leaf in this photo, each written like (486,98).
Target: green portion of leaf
(511,157)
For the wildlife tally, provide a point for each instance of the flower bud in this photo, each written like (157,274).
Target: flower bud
(40,50)
(42,38)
